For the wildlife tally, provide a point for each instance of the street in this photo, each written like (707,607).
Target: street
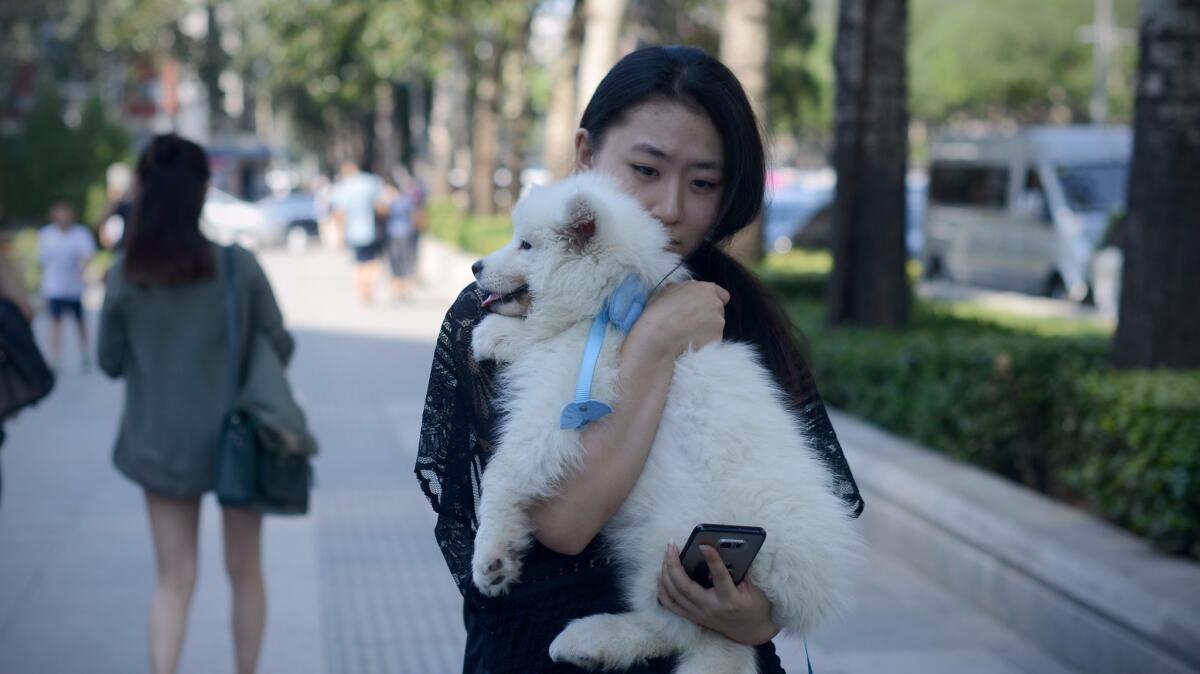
(358,586)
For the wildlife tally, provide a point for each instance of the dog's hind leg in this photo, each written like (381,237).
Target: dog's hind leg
(613,641)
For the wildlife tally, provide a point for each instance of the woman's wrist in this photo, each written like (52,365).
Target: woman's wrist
(645,347)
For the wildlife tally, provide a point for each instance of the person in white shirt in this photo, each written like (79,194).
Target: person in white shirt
(64,249)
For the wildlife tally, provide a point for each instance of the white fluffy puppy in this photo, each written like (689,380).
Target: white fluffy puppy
(727,450)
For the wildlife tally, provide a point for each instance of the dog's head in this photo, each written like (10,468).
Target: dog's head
(573,243)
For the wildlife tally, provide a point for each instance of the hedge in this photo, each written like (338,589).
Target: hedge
(1142,467)
(1030,399)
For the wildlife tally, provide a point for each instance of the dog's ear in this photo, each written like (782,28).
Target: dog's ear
(580,225)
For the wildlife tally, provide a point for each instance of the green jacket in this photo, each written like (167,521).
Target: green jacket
(170,345)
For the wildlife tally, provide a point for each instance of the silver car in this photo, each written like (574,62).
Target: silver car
(1024,211)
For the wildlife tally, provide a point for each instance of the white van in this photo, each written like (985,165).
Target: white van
(1024,211)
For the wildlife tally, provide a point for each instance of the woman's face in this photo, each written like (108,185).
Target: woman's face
(669,157)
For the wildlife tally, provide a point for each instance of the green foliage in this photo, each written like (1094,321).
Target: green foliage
(1031,399)
(47,160)
(980,395)
(478,234)
(1142,470)
(1016,59)
(793,68)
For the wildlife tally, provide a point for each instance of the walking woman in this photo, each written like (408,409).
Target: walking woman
(673,126)
(163,328)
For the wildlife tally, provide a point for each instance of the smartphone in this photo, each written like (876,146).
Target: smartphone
(738,546)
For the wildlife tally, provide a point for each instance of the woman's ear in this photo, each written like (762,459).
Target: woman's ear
(584,152)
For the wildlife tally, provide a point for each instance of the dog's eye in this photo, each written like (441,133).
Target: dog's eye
(525,245)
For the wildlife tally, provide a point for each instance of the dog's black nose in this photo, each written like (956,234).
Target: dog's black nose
(477,267)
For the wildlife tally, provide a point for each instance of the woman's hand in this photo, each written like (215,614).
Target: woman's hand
(740,612)
(684,315)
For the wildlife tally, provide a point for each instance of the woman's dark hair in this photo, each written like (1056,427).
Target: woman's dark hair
(163,244)
(690,77)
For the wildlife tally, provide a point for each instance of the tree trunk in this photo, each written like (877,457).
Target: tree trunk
(485,133)
(386,140)
(601,33)
(1159,322)
(418,119)
(446,117)
(744,50)
(516,106)
(561,120)
(868,283)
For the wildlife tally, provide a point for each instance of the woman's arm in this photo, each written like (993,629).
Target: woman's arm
(113,343)
(265,316)
(686,315)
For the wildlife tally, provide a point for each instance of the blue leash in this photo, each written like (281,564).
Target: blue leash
(585,410)
(622,309)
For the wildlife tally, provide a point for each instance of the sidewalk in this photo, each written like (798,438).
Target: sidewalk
(359,586)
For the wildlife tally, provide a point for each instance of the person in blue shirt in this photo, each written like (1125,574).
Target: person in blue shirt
(356,197)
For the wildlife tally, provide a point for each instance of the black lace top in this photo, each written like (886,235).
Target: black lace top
(513,633)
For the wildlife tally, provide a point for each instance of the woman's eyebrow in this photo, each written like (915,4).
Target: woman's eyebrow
(659,153)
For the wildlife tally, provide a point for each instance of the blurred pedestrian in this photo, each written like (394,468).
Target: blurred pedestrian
(111,227)
(64,249)
(24,376)
(415,189)
(356,196)
(163,328)
(401,239)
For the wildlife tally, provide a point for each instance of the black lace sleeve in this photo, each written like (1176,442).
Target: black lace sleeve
(456,430)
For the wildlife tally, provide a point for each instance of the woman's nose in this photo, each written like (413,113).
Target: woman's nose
(667,208)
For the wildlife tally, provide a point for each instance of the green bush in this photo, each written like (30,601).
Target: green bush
(994,399)
(1031,399)
(1142,467)
(47,161)
(478,234)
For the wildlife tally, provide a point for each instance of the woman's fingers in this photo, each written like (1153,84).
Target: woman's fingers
(666,601)
(692,592)
(674,588)
(722,581)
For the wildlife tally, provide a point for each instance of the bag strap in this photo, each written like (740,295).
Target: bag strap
(231,323)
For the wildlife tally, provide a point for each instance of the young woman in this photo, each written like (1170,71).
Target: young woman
(674,128)
(163,328)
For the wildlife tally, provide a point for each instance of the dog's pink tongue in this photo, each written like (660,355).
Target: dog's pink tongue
(491,299)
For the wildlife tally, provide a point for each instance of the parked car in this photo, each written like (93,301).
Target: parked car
(799,211)
(227,219)
(296,214)
(1024,211)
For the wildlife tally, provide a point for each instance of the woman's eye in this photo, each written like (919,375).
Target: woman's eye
(525,245)
(704,184)
(644,170)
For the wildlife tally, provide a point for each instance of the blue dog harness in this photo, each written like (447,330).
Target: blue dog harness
(622,309)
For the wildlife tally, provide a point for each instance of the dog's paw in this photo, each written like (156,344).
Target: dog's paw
(490,339)
(495,566)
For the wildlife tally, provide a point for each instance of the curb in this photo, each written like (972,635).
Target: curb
(1086,592)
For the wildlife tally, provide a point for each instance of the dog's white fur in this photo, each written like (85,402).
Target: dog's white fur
(727,450)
